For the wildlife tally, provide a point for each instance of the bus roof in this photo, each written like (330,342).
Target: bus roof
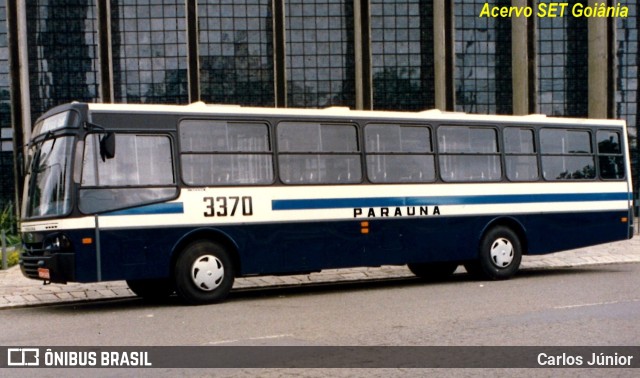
(201,108)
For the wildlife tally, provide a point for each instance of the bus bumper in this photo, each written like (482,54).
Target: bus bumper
(58,268)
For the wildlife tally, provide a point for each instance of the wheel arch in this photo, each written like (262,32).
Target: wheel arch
(211,234)
(511,223)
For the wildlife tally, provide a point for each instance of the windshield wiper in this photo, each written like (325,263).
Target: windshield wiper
(39,140)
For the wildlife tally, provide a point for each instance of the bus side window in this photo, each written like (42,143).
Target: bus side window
(399,153)
(469,154)
(316,153)
(140,173)
(610,157)
(142,160)
(566,154)
(520,154)
(218,153)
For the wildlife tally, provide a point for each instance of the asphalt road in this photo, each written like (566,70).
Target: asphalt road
(594,305)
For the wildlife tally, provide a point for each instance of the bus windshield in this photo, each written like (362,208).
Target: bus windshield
(48,179)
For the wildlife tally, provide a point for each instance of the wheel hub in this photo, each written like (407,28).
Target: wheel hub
(207,272)
(502,253)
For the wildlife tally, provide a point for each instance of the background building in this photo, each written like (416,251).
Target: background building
(364,54)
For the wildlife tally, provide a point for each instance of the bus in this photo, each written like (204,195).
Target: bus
(185,198)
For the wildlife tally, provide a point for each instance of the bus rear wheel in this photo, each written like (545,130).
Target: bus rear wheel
(433,271)
(204,273)
(499,256)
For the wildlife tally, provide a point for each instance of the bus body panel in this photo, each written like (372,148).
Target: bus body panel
(282,248)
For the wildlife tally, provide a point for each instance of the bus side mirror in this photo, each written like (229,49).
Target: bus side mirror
(108,146)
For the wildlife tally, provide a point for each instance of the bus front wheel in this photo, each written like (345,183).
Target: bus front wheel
(499,256)
(204,273)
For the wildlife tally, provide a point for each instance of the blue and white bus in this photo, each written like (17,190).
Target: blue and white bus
(186,198)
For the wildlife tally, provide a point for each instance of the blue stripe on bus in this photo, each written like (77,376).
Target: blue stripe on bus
(158,208)
(341,203)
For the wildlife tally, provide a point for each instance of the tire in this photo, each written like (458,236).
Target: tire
(153,289)
(204,273)
(499,256)
(433,271)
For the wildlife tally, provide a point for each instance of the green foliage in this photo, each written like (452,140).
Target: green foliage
(9,224)
(12,258)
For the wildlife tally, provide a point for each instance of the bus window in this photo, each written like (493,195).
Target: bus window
(520,154)
(142,160)
(610,156)
(567,154)
(141,172)
(314,153)
(398,153)
(469,154)
(225,153)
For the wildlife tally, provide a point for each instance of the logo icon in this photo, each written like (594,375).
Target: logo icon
(23,356)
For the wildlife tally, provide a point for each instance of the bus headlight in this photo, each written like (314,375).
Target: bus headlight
(57,243)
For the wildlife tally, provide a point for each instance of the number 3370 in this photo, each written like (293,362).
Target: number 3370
(228,206)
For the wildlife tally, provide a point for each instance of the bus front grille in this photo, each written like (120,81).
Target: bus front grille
(29,266)
(29,257)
